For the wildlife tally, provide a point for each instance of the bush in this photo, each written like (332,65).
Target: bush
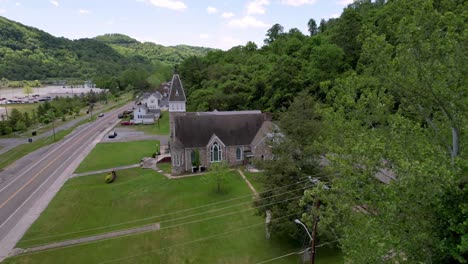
(110,178)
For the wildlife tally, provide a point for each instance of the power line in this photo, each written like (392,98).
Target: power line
(294,253)
(194,241)
(180,211)
(163,228)
(283,256)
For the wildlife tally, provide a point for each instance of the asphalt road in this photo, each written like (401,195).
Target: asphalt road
(31,178)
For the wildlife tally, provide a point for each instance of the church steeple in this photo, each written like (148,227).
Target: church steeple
(176,93)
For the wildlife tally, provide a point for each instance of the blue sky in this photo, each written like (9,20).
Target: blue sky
(209,23)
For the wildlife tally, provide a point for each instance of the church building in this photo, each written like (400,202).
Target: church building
(208,137)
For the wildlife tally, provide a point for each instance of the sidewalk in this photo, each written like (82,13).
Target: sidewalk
(105,170)
(84,240)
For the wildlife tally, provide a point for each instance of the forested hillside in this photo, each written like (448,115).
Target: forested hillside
(154,52)
(27,53)
(379,98)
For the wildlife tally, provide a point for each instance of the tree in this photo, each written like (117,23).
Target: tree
(273,33)
(219,173)
(27,90)
(312,26)
(295,159)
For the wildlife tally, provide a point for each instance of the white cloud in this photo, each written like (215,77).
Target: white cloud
(257,7)
(345,2)
(17,3)
(227,15)
(297,2)
(247,22)
(204,36)
(170,4)
(84,11)
(55,3)
(2,11)
(231,42)
(211,10)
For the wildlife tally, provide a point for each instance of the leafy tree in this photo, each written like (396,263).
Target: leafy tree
(219,173)
(274,33)
(312,26)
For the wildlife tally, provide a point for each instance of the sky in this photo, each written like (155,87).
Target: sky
(208,23)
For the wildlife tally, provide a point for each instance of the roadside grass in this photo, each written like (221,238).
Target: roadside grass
(29,108)
(113,154)
(20,151)
(165,166)
(87,202)
(156,129)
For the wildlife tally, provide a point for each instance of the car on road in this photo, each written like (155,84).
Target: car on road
(101,114)
(112,134)
(127,123)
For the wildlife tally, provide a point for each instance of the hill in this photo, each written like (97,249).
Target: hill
(27,53)
(128,46)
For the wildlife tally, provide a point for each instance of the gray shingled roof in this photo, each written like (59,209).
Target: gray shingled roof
(236,129)
(176,92)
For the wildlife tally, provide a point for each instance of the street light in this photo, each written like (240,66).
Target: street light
(297,221)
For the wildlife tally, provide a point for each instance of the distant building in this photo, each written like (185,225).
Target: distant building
(231,136)
(144,115)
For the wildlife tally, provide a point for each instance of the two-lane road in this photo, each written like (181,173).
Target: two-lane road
(29,184)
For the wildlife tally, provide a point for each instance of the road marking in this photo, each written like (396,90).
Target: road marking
(42,159)
(46,166)
(40,186)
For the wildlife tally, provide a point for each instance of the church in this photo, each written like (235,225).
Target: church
(199,139)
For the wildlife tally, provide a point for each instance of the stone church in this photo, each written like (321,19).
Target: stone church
(232,136)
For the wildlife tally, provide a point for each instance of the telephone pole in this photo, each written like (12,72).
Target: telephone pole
(313,242)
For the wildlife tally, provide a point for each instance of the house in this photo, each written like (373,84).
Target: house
(143,115)
(232,136)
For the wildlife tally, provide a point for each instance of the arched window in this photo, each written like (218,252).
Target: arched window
(192,157)
(215,152)
(239,153)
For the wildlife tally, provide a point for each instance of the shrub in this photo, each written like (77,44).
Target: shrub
(110,178)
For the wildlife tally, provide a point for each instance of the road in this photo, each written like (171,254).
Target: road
(27,186)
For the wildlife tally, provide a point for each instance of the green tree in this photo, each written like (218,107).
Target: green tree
(219,173)
(27,90)
(312,27)
(274,33)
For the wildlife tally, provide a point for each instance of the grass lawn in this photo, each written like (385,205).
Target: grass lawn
(22,150)
(109,155)
(29,108)
(165,166)
(155,129)
(87,202)
(256,178)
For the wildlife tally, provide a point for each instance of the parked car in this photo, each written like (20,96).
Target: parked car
(112,134)
(127,123)
(120,116)
(101,115)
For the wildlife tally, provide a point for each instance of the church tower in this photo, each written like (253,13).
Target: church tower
(177,102)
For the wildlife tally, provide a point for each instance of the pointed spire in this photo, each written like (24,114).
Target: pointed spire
(177,93)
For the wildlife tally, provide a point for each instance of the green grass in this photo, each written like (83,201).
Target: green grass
(115,154)
(155,129)
(165,166)
(87,202)
(29,108)
(256,179)
(22,150)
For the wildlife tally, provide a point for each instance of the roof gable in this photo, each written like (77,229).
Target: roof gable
(176,92)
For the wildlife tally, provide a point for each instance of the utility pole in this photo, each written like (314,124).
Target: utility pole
(314,233)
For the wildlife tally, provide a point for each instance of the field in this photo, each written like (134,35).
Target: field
(230,233)
(156,129)
(110,155)
(165,166)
